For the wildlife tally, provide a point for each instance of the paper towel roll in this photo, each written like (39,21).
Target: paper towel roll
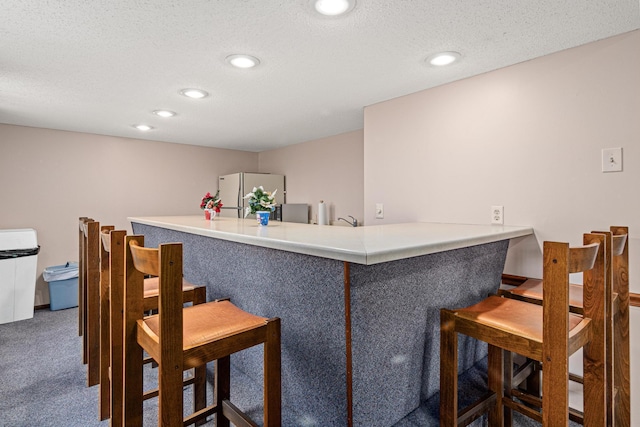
(323,218)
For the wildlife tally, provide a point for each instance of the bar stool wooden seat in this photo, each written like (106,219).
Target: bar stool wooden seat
(181,338)
(548,332)
(617,323)
(111,323)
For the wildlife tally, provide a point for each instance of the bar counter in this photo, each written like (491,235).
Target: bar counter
(359,306)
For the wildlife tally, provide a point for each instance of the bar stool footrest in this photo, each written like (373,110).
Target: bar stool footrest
(236,416)
(476,409)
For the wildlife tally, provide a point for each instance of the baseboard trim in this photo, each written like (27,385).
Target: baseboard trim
(42,307)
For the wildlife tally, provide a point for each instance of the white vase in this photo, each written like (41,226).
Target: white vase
(263,218)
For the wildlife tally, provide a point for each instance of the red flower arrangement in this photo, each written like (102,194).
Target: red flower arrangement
(211,202)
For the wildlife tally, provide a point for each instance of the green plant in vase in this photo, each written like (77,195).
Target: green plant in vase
(260,201)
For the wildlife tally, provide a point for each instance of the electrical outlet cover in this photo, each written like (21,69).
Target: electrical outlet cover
(497,215)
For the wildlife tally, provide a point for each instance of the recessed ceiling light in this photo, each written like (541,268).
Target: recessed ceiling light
(443,58)
(243,61)
(143,128)
(164,113)
(194,93)
(334,7)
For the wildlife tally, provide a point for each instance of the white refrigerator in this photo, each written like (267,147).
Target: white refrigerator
(235,186)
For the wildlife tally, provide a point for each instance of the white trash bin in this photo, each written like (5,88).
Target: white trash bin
(18,263)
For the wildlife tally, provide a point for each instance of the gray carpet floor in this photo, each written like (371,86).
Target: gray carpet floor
(43,380)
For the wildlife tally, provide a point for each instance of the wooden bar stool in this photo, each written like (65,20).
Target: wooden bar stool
(617,323)
(111,324)
(548,332)
(181,338)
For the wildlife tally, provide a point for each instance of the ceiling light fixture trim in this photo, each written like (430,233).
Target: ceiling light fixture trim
(441,59)
(333,7)
(243,61)
(164,113)
(194,93)
(142,127)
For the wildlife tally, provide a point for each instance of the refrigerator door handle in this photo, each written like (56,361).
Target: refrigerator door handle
(240,196)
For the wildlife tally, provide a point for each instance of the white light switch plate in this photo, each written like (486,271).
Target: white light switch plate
(611,159)
(379,211)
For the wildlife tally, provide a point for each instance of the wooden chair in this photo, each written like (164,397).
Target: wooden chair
(89,297)
(548,332)
(181,338)
(111,323)
(617,324)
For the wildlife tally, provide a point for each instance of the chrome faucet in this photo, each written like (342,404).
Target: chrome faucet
(353,222)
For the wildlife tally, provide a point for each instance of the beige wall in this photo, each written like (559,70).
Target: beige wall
(528,137)
(329,169)
(50,178)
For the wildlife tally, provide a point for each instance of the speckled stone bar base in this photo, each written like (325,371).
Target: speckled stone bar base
(395,321)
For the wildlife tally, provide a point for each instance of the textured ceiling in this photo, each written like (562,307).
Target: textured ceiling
(100,67)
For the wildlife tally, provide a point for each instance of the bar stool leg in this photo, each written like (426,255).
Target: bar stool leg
(495,382)
(448,370)
(272,377)
(200,372)
(222,389)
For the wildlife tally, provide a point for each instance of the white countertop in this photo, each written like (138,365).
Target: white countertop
(362,245)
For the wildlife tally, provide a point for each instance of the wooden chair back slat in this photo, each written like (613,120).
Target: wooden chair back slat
(105,236)
(582,258)
(619,244)
(145,260)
